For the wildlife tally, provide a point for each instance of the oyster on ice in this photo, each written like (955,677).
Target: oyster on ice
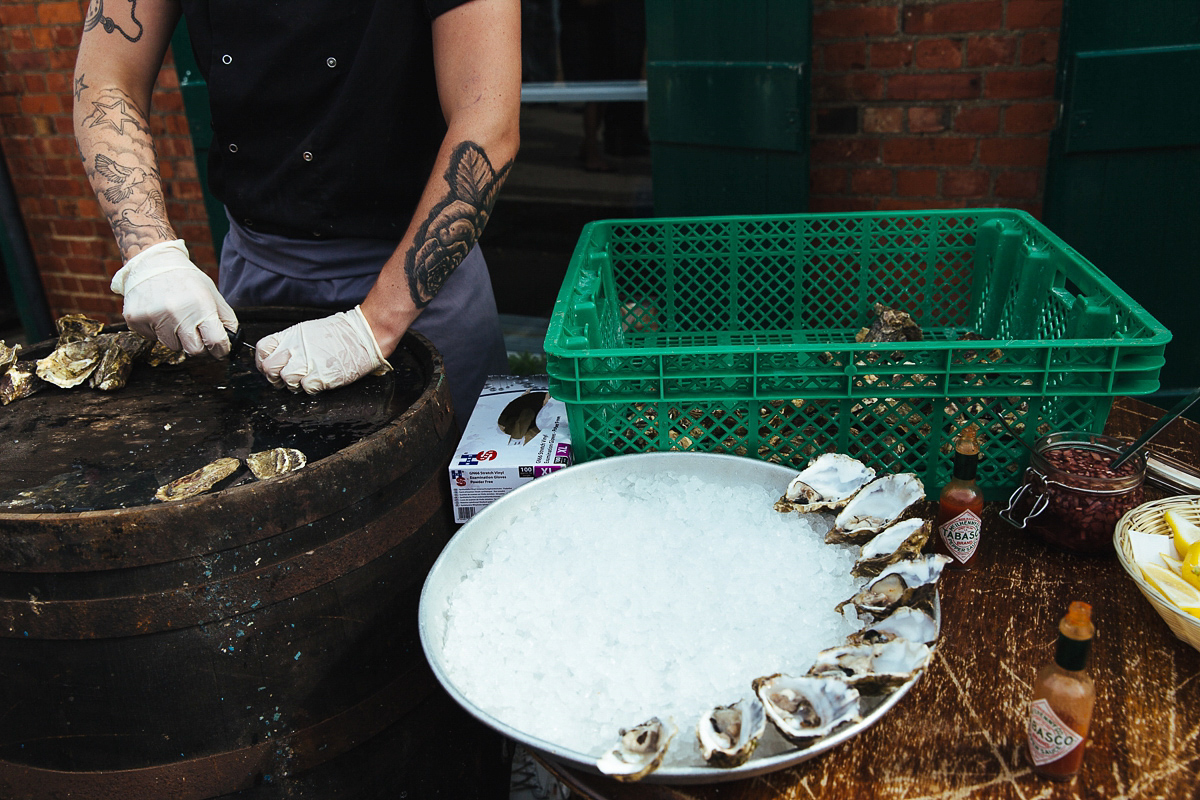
(912,582)
(729,734)
(638,751)
(807,707)
(873,668)
(902,540)
(20,380)
(876,506)
(278,461)
(70,364)
(905,622)
(826,484)
(200,481)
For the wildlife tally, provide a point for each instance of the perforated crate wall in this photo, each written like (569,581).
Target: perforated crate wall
(738,335)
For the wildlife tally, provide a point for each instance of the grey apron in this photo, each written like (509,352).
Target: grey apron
(259,269)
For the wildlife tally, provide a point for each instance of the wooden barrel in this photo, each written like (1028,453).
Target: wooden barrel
(243,638)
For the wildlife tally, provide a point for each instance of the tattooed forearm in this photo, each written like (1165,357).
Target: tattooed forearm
(120,162)
(455,223)
(125,22)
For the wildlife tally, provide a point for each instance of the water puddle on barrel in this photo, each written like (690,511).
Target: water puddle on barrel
(66,450)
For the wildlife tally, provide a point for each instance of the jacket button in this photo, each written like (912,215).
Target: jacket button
(226,59)
(308,156)
(232,148)
(331,62)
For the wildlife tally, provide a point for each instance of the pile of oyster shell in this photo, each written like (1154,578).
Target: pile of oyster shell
(897,603)
(83,355)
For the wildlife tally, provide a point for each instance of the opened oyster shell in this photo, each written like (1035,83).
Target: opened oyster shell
(20,380)
(8,355)
(912,582)
(873,668)
(275,462)
(728,735)
(200,481)
(826,484)
(76,328)
(70,364)
(913,624)
(638,751)
(902,540)
(877,505)
(807,707)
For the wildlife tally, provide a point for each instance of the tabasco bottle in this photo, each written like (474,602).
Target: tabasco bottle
(961,505)
(1063,697)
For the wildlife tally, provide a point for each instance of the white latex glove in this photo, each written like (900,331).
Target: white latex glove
(322,353)
(168,298)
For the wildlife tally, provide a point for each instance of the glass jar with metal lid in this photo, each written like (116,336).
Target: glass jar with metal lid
(1070,496)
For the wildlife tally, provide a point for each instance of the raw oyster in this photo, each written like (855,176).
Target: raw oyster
(807,707)
(199,481)
(119,351)
(76,328)
(638,751)
(20,380)
(826,484)
(876,506)
(873,668)
(278,461)
(70,364)
(729,734)
(912,582)
(8,355)
(905,622)
(895,542)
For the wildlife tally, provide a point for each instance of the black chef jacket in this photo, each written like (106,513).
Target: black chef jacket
(325,114)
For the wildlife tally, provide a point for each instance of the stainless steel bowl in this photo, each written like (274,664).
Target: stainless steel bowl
(460,556)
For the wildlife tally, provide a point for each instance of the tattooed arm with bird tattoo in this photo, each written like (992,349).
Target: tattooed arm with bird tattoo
(166,296)
(477,57)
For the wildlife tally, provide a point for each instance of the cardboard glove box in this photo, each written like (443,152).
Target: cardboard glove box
(516,433)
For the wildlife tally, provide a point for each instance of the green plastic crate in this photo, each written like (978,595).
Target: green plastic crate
(737,335)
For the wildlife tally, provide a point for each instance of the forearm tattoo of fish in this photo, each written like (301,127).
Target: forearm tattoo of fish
(128,25)
(455,223)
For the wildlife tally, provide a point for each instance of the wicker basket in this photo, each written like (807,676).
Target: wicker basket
(1148,518)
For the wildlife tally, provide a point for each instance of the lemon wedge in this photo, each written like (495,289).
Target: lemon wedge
(1185,532)
(1177,591)
(1173,564)
(1190,569)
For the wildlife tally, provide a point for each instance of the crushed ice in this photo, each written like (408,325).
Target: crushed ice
(641,597)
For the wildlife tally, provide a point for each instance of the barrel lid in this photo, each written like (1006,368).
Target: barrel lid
(82,449)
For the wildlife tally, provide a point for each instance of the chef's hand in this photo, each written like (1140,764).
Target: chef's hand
(168,298)
(322,353)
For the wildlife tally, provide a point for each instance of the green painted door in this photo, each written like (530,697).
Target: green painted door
(1123,183)
(728,96)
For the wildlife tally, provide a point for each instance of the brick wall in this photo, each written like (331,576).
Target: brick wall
(916,104)
(71,240)
(920,104)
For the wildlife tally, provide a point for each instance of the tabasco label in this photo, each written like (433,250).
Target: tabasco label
(1049,737)
(961,535)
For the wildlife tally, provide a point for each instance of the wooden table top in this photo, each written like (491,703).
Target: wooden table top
(960,732)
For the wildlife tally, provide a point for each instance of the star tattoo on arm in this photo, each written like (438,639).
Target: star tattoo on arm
(455,223)
(113,115)
(79,87)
